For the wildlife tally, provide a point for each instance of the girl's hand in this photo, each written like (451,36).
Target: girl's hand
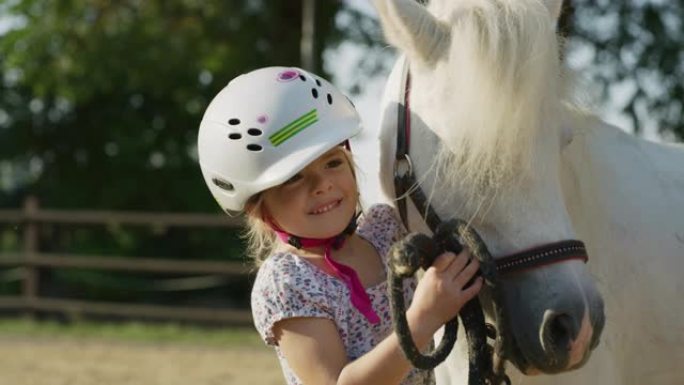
(440,294)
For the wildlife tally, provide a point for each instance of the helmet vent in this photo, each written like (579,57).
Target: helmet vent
(314,92)
(318,82)
(302,77)
(234,122)
(254,131)
(235,136)
(254,147)
(222,184)
(330,99)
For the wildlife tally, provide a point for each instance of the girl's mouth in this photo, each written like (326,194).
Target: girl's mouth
(326,207)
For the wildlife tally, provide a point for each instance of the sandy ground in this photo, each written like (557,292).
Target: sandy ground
(74,361)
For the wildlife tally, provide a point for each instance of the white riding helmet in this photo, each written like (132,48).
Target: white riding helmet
(267,125)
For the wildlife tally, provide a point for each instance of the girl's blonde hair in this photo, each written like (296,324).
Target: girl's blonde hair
(261,239)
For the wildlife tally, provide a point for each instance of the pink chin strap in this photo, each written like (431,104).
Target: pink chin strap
(357,293)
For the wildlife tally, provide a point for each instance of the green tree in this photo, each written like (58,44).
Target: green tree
(101,100)
(634,46)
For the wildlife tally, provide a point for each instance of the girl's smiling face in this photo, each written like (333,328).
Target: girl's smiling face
(318,202)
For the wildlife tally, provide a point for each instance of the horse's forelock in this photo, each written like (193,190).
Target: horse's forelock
(496,92)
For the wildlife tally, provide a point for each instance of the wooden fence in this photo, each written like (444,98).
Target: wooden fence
(30,261)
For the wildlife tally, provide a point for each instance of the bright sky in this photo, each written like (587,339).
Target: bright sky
(365,146)
(368,102)
(342,64)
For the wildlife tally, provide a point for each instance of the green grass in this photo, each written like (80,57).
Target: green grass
(133,332)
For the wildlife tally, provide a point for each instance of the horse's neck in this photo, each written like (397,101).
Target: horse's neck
(620,187)
(625,196)
(626,199)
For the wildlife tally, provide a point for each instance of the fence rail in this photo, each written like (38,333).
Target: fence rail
(30,261)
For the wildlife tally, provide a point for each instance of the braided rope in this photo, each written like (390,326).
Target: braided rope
(419,251)
(482,369)
(406,256)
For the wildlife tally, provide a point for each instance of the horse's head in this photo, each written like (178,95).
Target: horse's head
(487,101)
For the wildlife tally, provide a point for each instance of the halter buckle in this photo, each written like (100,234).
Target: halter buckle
(403,167)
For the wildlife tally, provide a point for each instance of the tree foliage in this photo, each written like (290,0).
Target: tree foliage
(635,46)
(97,97)
(102,100)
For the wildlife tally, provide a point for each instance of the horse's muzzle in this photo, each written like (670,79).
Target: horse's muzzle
(556,330)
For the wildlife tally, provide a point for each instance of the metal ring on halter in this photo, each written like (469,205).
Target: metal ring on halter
(407,167)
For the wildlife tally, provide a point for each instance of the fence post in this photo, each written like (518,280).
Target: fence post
(307,45)
(30,241)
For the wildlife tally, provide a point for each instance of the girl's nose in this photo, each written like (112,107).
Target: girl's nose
(321,184)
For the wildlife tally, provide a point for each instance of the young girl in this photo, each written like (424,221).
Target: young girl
(272,144)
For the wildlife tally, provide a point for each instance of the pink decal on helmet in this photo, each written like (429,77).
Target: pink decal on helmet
(288,75)
(262,119)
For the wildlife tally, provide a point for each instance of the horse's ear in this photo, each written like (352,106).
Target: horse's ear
(555,7)
(410,27)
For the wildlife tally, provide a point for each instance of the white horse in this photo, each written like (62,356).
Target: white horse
(498,141)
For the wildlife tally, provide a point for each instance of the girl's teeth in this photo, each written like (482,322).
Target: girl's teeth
(326,208)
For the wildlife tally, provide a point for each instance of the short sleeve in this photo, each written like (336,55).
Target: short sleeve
(382,226)
(285,288)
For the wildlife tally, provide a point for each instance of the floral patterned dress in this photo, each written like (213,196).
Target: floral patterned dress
(288,286)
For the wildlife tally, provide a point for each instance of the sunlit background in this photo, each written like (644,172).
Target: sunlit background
(116,266)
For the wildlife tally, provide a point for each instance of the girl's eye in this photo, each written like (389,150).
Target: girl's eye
(293,179)
(335,163)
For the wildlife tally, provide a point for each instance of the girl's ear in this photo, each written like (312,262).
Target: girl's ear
(268,218)
(255,206)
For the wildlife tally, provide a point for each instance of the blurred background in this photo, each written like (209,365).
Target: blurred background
(109,238)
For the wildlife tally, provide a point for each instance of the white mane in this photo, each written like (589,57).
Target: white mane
(487,80)
(503,84)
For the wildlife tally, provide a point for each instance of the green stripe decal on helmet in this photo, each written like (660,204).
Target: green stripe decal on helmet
(294,127)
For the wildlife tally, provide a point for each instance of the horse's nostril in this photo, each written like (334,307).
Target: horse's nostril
(558,332)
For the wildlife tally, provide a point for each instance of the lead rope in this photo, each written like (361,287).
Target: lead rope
(419,251)
(480,353)
(406,258)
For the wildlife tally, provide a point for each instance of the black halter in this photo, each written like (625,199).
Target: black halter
(482,369)
(406,186)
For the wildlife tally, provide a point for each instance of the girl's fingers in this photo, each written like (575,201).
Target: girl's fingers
(443,261)
(467,273)
(472,290)
(459,263)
